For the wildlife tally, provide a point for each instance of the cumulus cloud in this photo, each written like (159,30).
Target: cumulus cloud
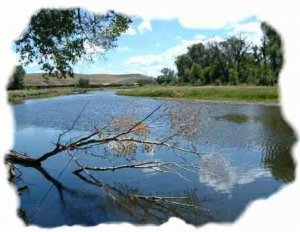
(199,36)
(251,31)
(214,39)
(130,31)
(151,64)
(217,172)
(145,26)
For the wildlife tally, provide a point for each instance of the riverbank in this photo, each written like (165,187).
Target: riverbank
(220,93)
(250,94)
(16,96)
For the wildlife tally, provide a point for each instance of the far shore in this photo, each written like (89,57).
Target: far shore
(18,96)
(220,101)
(221,94)
(215,94)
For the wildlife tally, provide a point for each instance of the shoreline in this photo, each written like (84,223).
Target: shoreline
(215,101)
(215,94)
(19,96)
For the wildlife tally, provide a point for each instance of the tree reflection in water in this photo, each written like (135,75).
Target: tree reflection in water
(278,144)
(142,208)
(123,137)
(172,139)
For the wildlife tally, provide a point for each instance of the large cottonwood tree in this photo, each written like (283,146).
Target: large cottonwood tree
(58,38)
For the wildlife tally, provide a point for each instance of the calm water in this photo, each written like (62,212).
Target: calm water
(246,156)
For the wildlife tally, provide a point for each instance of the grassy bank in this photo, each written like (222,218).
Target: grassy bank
(227,93)
(15,96)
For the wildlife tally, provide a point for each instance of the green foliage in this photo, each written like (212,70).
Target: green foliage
(195,73)
(273,53)
(233,76)
(58,39)
(83,83)
(233,61)
(183,63)
(17,79)
(168,77)
(143,82)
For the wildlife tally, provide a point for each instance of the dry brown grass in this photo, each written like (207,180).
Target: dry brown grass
(36,79)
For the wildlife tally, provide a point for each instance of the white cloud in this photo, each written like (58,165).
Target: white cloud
(199,36)
(93,52)
(151,64)
(130,31)
(216,171)
(214,39)
(90,48)
(251,27)
(251,31)
(145,26)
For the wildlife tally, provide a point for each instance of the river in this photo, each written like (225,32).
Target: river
(245,156)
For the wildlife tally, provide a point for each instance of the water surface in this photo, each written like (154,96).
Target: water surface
(246,156)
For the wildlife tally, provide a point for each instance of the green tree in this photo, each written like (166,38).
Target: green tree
(233,76)
(218,63)
(58,39)
(272,50)
(17,80)
(196,74)
(257,56)
(197,53)
(183,63)
(83,83)
(233,61)
(168,77)
(234,49)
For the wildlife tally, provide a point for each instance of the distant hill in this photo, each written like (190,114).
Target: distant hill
(37,79)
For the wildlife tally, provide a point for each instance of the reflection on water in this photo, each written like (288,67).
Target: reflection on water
(236,118)
(276,152)
(217,172)
(246,156)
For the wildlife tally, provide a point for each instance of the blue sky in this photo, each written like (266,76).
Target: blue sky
(148,46)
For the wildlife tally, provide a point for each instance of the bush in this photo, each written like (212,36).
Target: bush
(83,83)
(143,82)
(17,79)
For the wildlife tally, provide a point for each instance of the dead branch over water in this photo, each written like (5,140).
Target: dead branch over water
(123,136)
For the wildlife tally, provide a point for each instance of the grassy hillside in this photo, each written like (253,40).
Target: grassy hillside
(227,93)
(36,79)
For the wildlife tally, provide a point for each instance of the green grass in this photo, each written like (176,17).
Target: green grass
(224,93)
(15,96)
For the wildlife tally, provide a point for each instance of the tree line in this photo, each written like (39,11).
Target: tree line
(59,45)
(229,62)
